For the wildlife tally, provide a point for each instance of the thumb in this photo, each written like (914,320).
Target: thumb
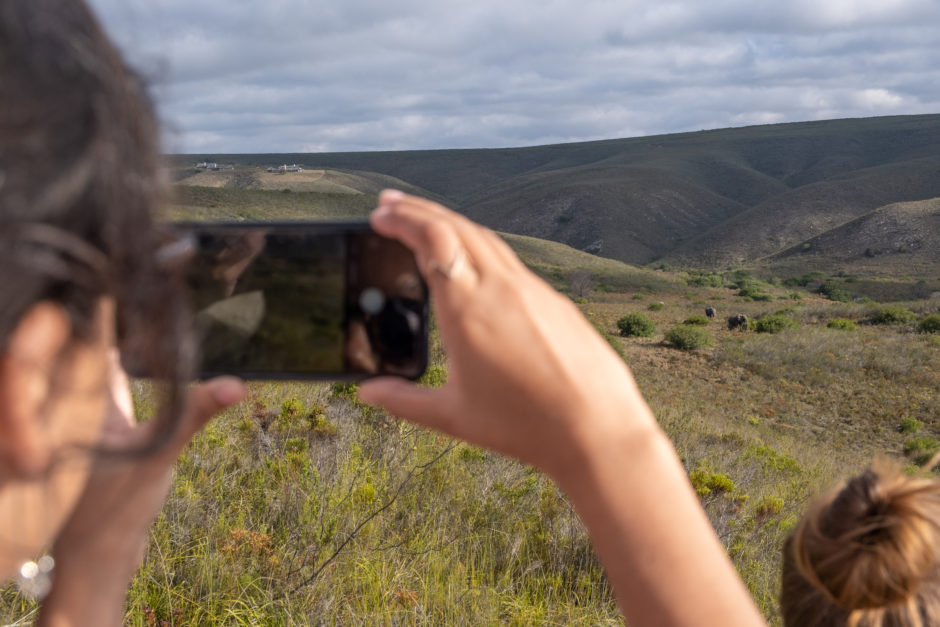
(204,401)
(406,400)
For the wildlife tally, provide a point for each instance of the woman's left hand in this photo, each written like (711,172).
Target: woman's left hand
(102,544)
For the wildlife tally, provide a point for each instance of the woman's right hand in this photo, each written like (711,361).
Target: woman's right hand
(528,376)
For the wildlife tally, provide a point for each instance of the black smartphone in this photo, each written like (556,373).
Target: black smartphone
(304,300)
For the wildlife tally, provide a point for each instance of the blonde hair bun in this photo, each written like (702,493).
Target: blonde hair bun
(874,543)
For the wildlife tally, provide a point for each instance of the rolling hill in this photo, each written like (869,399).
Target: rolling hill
(722,198)
(902,235)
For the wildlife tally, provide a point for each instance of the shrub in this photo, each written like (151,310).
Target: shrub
(834,290)
(921,448)
(774,324)
(700,321)
(802,281)
(842,324)
(769,506)
(893,315)
(754,293)
(705,482)
(636,325)
(580,300)
(930,324)
(699,278)
(291,409)
(345,390)
(910,425)
(656,306)
(688,337)
(320,425)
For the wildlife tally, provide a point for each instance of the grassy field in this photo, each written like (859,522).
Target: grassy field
(302,506)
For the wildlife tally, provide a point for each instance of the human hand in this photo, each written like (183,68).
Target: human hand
(102,543)
(528,375)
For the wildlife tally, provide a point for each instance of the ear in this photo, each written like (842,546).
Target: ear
(26,372)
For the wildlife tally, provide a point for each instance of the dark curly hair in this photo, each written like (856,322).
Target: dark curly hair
(80,184)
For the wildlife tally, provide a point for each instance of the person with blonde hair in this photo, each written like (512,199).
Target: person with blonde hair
(866,554)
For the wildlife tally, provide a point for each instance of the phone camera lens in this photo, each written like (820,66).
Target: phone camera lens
(371,300)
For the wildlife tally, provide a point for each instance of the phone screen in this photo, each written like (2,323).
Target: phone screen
(305,301)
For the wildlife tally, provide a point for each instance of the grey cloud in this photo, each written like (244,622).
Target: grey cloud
(286,75)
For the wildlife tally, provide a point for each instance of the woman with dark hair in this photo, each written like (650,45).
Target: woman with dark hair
(80,280)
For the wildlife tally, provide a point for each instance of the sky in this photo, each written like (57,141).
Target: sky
(361,75)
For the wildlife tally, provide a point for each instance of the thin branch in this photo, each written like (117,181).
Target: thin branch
(362,523)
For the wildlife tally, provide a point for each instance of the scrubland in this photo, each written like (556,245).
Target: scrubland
(303,507)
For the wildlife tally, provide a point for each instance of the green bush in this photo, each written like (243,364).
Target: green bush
(636,325)
(769,506)
(753,293)
(842,324)
(705,482)
(688,337)
(774,324)
(580,300)
(699,278)
(700,321)
(921,448)
(656,306)
(290,409)
(930,324)
(801,281)
(910,425)
(834,290)
(320,425)
(893,314)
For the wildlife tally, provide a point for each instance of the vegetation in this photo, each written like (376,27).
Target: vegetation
(636,325)
(921,448)
(842,324)
(304,506)
(774,324)
(910,425)
(688,337)
(696,320)
(757,193)
(835,290)
(893,315)
(930,324)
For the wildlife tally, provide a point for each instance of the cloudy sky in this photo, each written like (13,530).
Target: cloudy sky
(350,75)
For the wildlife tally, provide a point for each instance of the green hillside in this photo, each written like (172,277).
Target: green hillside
(716,198)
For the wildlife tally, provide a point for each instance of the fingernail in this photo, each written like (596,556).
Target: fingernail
(381,211)
(228,390)
(390,196)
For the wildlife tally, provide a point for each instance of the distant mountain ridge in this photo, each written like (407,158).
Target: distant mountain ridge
(718,198)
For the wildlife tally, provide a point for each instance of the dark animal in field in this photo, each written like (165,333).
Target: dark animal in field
(711,312)
(737,321)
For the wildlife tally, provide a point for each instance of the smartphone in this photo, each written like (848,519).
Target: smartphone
(304,300)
